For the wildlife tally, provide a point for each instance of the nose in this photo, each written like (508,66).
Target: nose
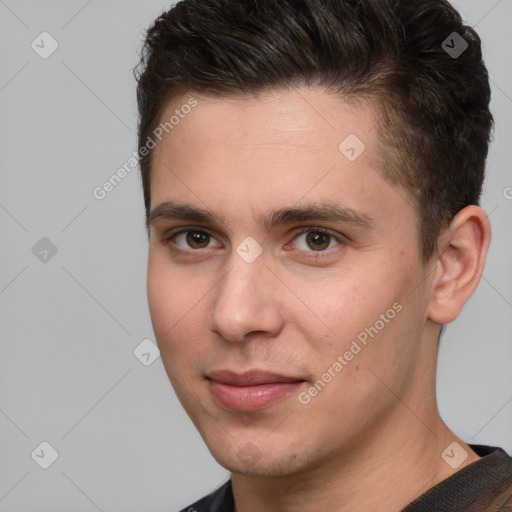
(247,301)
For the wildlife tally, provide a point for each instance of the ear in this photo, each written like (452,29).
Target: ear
(460,260)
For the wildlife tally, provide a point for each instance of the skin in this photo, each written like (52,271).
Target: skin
(372,438)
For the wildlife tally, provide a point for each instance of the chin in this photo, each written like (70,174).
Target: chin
(260,462)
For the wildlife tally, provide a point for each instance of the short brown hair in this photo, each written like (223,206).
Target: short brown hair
(435,126)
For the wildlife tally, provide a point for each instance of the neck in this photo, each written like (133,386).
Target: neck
(384,470)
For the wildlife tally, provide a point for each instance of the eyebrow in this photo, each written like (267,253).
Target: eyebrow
(333,212)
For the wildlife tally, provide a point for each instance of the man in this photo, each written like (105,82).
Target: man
(311,173)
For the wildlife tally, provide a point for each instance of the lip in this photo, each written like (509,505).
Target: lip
(251,390)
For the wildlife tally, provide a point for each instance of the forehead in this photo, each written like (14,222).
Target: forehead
(307,117)
(257,153)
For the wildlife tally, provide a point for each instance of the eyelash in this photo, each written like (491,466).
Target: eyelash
(342,240)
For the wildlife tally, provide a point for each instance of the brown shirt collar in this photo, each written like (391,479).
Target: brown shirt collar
(483,486)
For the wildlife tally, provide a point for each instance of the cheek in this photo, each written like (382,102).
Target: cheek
(160,296)
(360,307)
(167,300)
(340,303)
(373,336)
(177,303)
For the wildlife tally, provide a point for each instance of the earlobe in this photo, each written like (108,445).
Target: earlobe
(461,258)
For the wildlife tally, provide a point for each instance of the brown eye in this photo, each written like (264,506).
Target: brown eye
(193,239)
(197,239)
(316,240)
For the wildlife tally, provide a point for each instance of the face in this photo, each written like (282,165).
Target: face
(285,282)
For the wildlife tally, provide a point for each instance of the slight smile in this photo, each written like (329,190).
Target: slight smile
(251,390)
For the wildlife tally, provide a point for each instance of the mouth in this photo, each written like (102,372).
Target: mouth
(251,390)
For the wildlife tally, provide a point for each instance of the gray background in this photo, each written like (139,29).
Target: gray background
(69,326)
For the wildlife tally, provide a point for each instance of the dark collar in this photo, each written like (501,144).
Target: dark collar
(483,486)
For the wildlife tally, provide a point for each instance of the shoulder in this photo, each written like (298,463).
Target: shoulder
(484,485)
(220,500)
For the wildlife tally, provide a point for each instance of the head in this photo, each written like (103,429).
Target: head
(259,119)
